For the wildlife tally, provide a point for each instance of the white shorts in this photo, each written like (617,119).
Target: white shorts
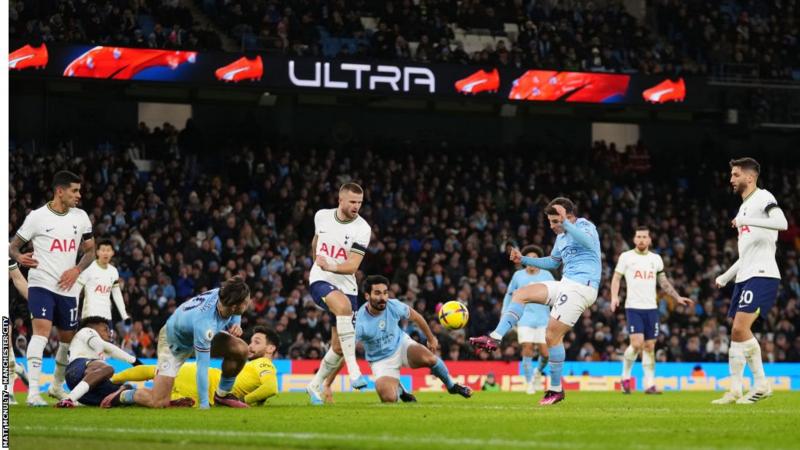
(390,367)
(569,299)
(531,335)
(168,362)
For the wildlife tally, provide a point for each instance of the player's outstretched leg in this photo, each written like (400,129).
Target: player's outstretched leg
(137,373)
(56,389)
(233,352)
(419,356)
(534,293)
(330,365)
(341,306)
(89,383)
(555,341)
(35,350)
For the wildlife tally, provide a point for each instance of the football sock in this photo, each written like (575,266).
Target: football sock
(330,363)
(225,386)
(543,360)
(527,368)
(508,321)
(126,398)
(347,338)
(752,353)
(736,362)
(649,368)
(441,372)
(629,359)
(34,354)
(79,391)
(138,373)
(62,359)
(557,357)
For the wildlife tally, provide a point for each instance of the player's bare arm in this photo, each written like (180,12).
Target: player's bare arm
(24,259)
(70,276)
(419,321)
(615,285)
(667,286)
(350,267)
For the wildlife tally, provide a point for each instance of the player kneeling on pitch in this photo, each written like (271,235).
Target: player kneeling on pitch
(256,383)
(388,347)
(198,327)
(88,375)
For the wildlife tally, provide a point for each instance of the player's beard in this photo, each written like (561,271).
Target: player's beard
(739,187)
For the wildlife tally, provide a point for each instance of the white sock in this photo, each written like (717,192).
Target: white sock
(12,370)
(79,391)
(34,354)
(649,368)
(347,337)
(62,359)
(736,362)
(628,361)
(752,353)
(330,362)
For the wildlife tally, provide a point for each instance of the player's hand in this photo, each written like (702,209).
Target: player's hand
(515,255)
(733,223)
(322,262)
(27,260)
(68,278)
(614,304)
(561,212)
(433,344)
(685,301)
(235,330)
(718,281)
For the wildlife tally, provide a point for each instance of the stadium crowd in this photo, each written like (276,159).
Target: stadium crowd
(442,220)
(730,38)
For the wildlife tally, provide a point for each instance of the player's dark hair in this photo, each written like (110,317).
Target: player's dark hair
(92,320)
(569,207)
(746,163)
(372,280)
(104,241)
(64,178)
(352,187)
(532,249)
(272,336)
(642,228)
(234,291)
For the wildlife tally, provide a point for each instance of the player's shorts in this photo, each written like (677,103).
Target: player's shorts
(319,289)
(642,321)
(569,299)
(390,367)
(74,375)
(756,295)
(527,335)
(169,362)
(61,310)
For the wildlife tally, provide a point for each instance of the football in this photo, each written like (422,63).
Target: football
(453,315)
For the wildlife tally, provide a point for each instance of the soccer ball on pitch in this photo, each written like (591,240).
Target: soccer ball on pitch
(453,315)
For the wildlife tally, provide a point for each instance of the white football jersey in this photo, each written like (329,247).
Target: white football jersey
(88,344)
(756,244)
(641,275)
(335,240)
(97,284)
(56,240)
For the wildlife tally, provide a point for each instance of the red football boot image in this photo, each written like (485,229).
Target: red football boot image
(122,63)
(28,56)
(480,81)
(241,69)
(665,91)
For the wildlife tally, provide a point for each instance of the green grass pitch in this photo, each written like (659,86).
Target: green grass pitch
(488,421)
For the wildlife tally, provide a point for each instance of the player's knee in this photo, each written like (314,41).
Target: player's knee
(388,395)
(106,372)
(637,346)
(239,349)
(429,359)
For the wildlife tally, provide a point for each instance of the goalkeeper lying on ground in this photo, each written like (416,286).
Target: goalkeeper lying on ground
(256,383)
